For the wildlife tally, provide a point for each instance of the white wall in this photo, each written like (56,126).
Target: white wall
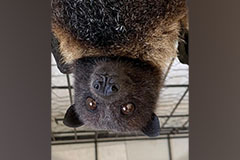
(129,150)
(180,149)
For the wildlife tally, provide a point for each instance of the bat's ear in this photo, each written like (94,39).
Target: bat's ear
(152,128)
(71,118)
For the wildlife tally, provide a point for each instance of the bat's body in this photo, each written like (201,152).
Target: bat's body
(117,51)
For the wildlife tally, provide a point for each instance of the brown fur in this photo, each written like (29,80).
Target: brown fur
(157,47)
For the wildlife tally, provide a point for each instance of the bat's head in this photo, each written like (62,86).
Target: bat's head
(115,93)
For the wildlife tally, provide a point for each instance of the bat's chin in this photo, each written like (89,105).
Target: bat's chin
(151,128)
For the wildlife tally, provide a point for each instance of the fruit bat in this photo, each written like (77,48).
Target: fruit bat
(117,51)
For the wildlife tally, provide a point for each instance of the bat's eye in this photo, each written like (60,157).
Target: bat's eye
(127,109)
(91,103)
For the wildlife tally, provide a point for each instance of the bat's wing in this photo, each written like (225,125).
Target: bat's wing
(183,41)
(62,66)
(183,47)
(152,129)
(71,118)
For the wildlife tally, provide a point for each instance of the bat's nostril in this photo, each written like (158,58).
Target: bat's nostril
(105,87)
(111,89)
(96,86)
(114,88)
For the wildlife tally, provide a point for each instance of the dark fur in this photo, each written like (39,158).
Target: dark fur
(140,82)
(102,23)
(144,29)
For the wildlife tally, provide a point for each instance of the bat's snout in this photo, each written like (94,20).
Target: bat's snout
(105,85)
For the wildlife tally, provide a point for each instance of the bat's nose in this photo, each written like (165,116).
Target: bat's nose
(105,85)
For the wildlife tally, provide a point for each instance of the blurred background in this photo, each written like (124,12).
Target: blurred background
(86,144)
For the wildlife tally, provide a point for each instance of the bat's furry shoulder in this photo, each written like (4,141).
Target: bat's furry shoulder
(143,29)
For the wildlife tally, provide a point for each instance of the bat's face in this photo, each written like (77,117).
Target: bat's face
(117,94)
